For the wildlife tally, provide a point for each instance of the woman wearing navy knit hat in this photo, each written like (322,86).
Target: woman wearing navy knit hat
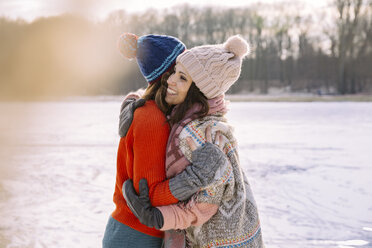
(143,142)
(223,214)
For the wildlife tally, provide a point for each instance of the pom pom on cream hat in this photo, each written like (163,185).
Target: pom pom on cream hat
(214,68)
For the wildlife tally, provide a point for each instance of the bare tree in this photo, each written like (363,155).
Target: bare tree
(286,49)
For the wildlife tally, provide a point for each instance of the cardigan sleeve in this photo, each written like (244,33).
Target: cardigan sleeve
(205,206)
(207,200)
(150,135)
(181,217)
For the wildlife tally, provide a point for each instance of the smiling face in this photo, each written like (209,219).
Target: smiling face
(178,85)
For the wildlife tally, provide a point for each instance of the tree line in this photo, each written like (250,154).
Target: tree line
(327,52)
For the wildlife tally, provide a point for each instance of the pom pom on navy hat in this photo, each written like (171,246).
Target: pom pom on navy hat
(127,45)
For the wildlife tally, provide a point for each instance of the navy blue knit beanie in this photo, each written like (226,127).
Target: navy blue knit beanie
(155,54)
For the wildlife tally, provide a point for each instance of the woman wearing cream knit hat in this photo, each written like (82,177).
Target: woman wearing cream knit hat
(223,214)
(214,68)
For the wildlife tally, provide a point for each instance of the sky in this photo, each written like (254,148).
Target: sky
(99,9)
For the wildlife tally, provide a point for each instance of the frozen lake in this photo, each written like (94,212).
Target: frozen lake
(309,164)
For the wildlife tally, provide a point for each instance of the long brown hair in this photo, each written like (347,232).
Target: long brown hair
(194,95)
(157,91)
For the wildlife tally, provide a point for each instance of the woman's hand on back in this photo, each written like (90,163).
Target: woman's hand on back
(207,160)
(126,114)
(218,141)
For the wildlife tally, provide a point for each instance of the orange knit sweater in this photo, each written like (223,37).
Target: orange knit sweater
(141,154)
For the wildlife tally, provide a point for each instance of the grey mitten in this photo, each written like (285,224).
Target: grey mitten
(126,114)
(206,161)
(140,205)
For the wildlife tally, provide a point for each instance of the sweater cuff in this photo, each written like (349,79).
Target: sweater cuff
(135,95)
(169,218)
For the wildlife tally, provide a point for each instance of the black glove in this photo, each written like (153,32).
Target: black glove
(141,206)
(126,114)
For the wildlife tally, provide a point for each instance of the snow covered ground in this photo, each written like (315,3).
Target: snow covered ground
(309,164)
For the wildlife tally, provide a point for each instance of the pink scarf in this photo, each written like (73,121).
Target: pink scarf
(175,160)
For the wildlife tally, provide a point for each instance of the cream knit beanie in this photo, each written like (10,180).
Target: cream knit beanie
(214,68)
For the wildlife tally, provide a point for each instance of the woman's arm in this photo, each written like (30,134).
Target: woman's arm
(149,137)
(145,212)
(176,216)
(197,212)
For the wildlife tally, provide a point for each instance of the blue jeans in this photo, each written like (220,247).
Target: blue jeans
(119,235)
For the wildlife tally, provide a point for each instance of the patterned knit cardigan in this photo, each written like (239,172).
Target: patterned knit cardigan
(236,223)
